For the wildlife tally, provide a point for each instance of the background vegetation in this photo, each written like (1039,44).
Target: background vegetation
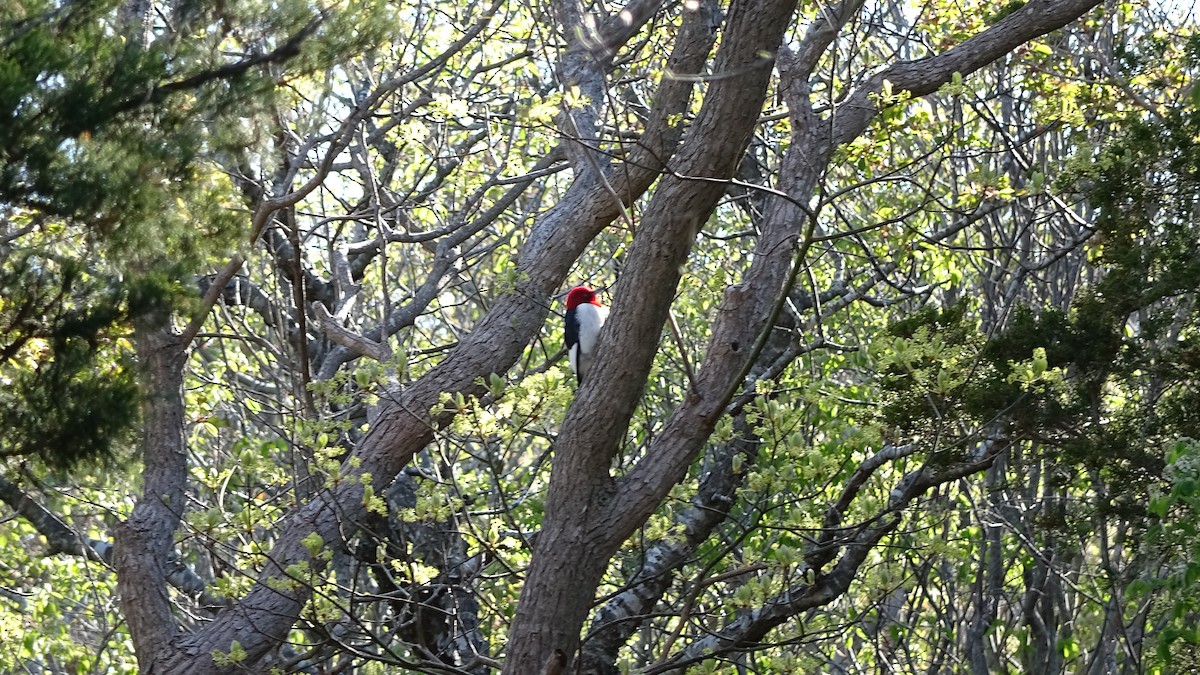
(902,374)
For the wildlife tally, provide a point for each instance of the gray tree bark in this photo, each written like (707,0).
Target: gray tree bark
(146,539)
(589,514)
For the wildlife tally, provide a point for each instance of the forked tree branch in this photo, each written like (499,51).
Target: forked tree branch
(406,422)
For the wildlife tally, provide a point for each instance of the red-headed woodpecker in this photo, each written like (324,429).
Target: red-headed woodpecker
(585,316)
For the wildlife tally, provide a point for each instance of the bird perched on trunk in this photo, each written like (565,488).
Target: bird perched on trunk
(585,316)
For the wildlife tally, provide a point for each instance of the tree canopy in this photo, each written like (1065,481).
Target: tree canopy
(901,373)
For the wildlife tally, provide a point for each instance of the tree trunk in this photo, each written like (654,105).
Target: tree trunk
(145,540)
(584,525)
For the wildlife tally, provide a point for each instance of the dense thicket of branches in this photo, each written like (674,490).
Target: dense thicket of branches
(900,372)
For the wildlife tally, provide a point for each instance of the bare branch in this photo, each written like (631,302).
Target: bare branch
(1034,19)
(750,628)
(61,537)
(348,339)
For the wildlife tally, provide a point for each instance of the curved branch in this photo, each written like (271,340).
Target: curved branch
(925,76)
(354,342)
(288,50)
(750,628)
(406,422)
(61,537)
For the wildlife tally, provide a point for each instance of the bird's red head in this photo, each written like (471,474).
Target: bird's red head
(581,295)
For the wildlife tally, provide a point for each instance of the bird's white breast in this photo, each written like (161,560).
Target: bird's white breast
(591,319)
